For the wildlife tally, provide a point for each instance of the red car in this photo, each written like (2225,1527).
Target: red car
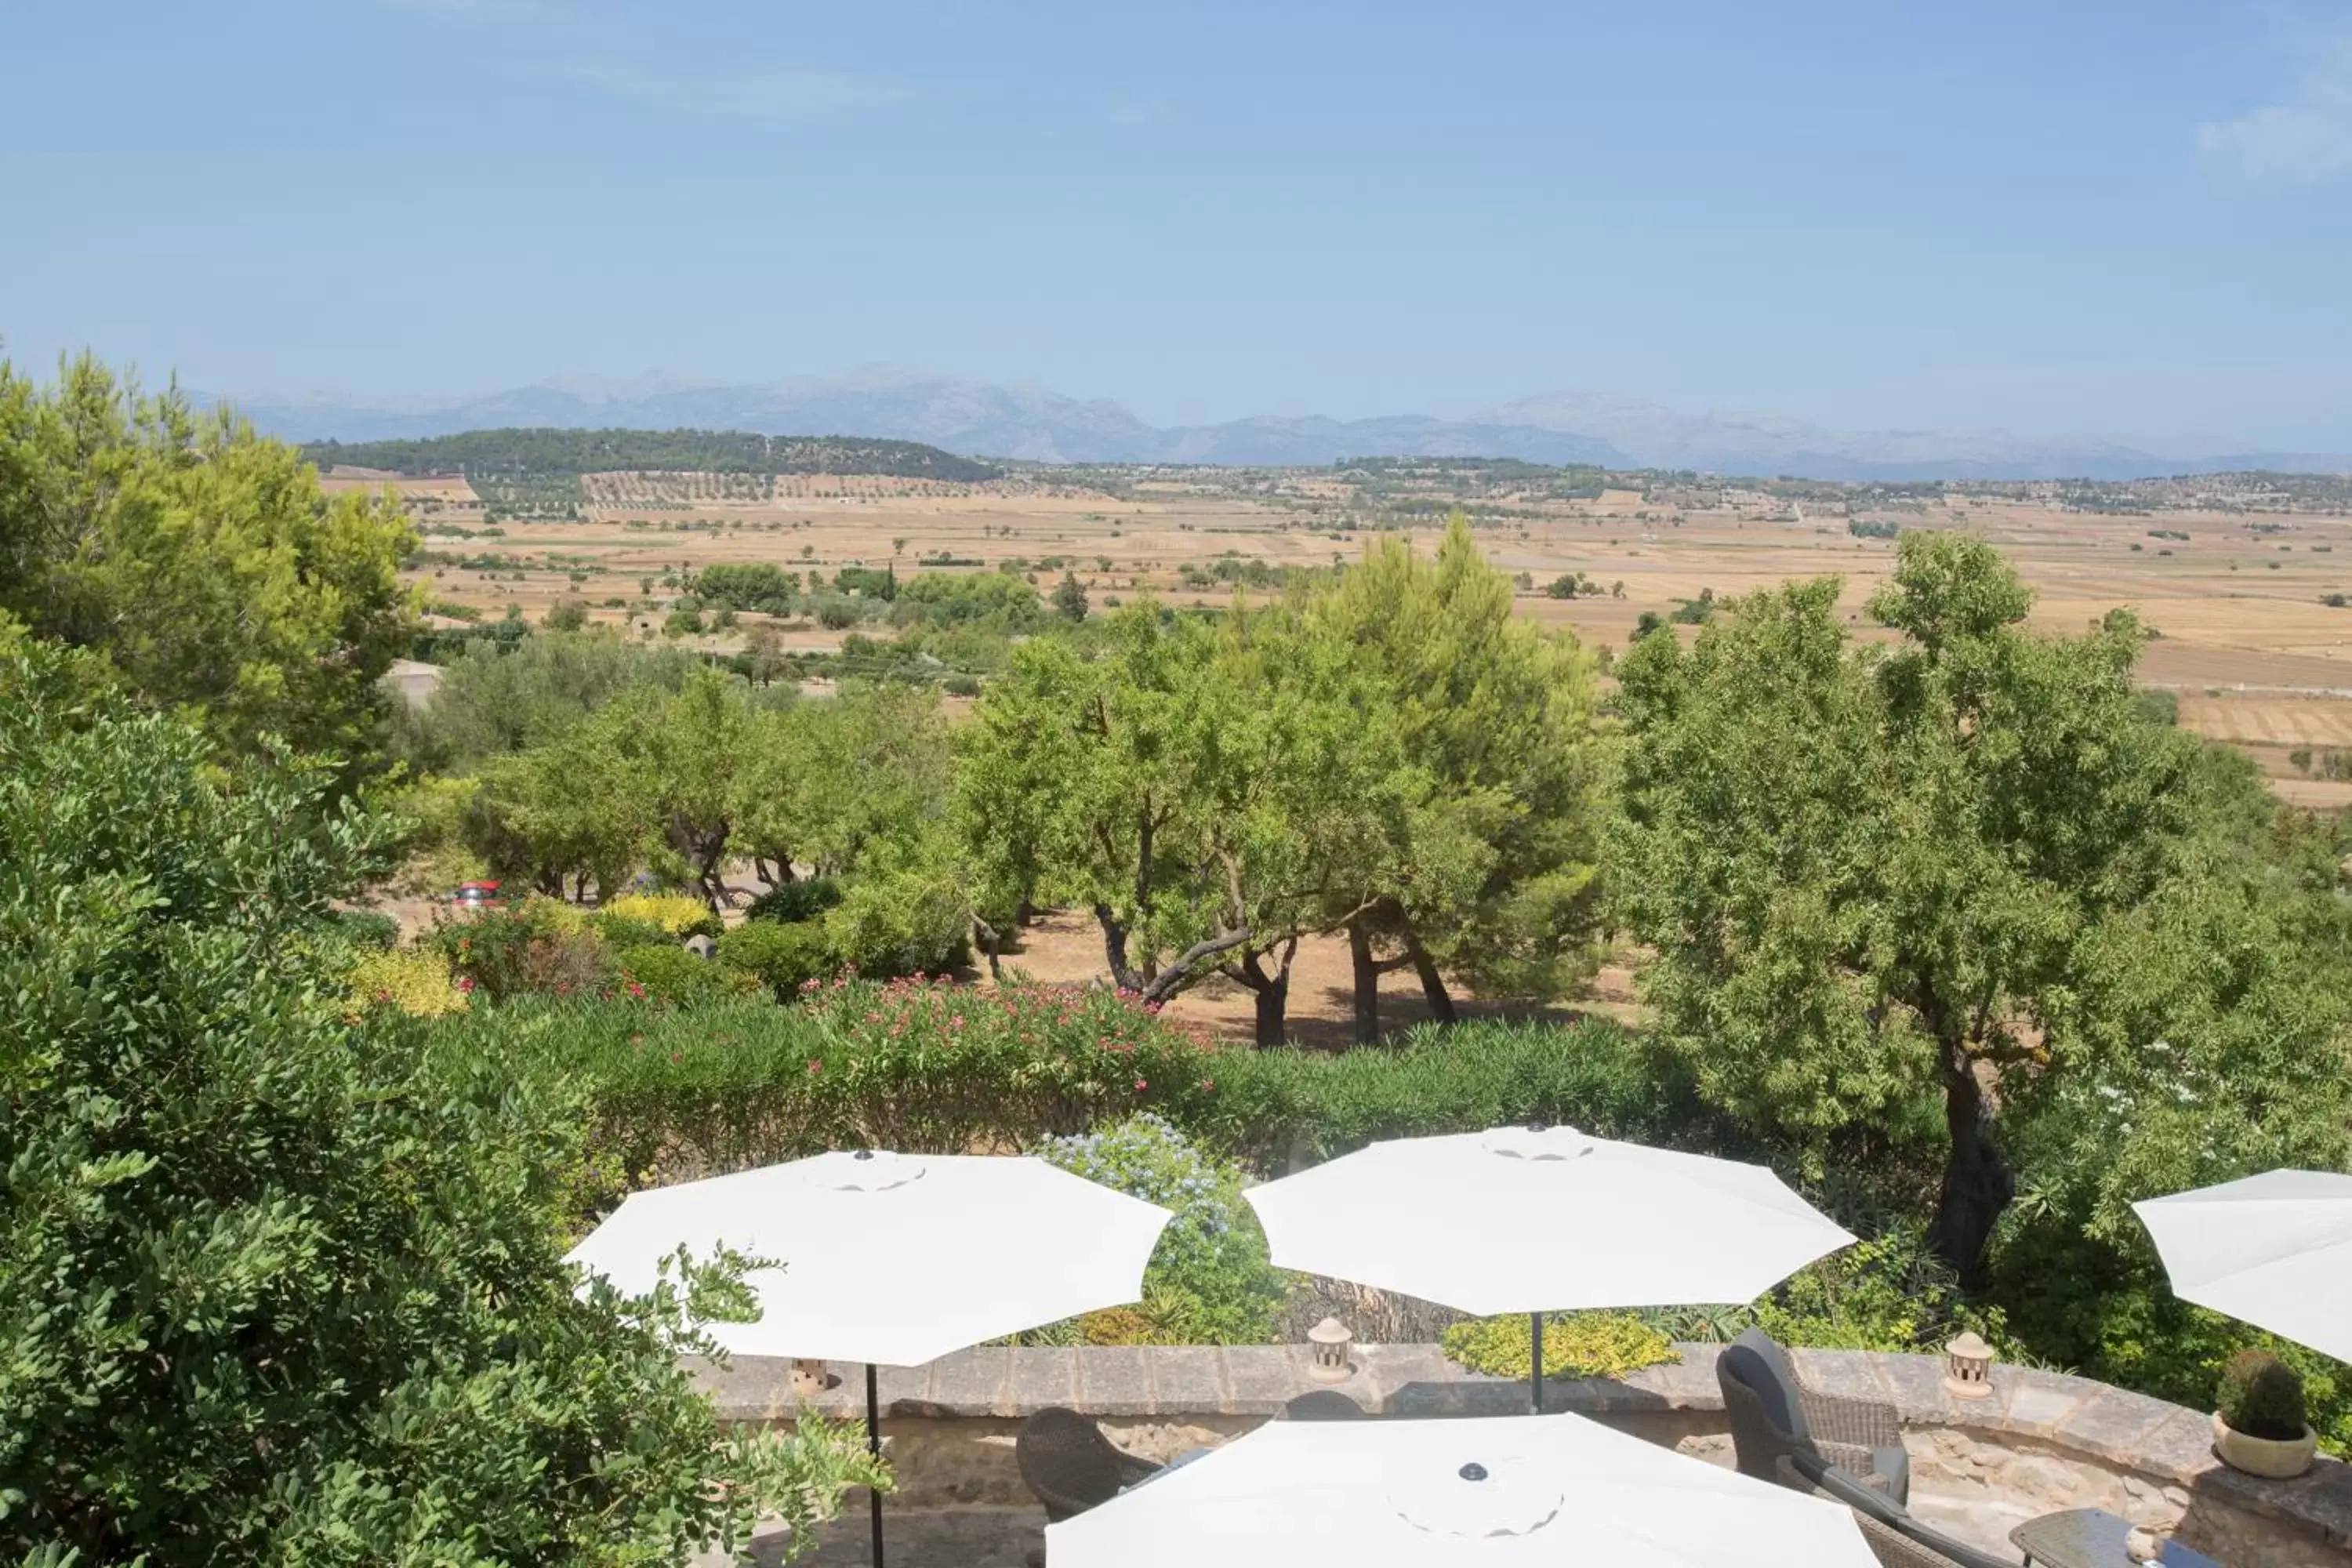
(475,895)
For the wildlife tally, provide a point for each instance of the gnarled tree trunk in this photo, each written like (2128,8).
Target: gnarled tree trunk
(1432,985)
(1977,1185)
(1271,990)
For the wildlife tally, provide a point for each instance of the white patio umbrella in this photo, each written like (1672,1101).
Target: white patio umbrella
(1370,1494)
(1517,1219)
(2274,1250)
(891,1259)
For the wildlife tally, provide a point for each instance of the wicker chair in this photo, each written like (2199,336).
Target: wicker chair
(1773,1414)
(1896,1537)
(1069,1465)
(1323,1405)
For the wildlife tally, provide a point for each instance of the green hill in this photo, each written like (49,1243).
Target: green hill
(521,454)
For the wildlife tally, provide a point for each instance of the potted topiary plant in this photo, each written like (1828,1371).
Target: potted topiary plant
(2260,1427)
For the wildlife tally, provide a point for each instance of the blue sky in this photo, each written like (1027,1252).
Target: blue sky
(2115,216)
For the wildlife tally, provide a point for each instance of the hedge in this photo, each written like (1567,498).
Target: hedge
(933,1066)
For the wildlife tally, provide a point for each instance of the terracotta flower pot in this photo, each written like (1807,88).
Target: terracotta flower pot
(2278,1458)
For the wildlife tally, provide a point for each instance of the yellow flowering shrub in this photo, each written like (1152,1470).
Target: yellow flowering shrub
(678,914)
(414,979)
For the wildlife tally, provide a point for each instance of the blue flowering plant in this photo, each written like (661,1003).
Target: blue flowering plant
(1210,1275)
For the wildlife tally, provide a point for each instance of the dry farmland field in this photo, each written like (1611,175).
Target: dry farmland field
(2236,592)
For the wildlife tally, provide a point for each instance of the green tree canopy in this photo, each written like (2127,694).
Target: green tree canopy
(1961,871)
(276,1284)
(200,561)
(1492,876)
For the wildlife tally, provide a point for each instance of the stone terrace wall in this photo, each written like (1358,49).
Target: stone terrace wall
(2041,1442)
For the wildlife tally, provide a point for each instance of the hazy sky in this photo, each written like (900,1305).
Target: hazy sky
(2119,216)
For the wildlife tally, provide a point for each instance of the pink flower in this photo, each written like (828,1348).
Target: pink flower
(1152,1009)
(1141,1086)
(636,990)
(464,983)
(815,1066)
(1208,1084)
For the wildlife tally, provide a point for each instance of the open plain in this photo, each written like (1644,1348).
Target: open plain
(2236,595)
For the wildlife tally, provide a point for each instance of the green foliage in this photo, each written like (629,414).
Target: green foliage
(867,583)
(1575,1344)
(1209,1271)
(2262,1397)
(492,701)
(987,599)
(566,615)
(781,956)
(201,562)
(1887,1292)
(909,918)
(276,1285)
(1070,598)
(1491,806)
(670,973)
(513,454)
(1872,875)
(535,946)
(802,899)
(759,585)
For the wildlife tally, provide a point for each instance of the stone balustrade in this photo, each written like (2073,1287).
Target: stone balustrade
(2041,1441)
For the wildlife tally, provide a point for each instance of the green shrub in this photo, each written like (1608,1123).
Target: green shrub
(670,973)
(371,929)
(914,921)
(1575,1344)
(276,1286)
(620,931)
(540,945)
(1886,1293)
(2262,1397)
(928,1066)
(783,956)
(802,900)
(1209,1277)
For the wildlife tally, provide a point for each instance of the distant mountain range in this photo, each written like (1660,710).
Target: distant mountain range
(1036,425)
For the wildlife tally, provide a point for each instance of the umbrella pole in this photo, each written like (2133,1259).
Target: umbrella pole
(874,1446)
(1535,1363)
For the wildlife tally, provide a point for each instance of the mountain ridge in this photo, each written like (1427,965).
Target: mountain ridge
(1035,424)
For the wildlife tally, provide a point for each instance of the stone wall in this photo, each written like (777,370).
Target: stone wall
(2041,1442)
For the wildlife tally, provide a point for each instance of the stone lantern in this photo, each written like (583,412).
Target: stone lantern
(1967,1368)
(1331,1340)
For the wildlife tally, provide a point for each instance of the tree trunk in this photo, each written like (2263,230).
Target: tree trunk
(1367,984)
(1432,985)
(1270,992)
(1977,1181)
